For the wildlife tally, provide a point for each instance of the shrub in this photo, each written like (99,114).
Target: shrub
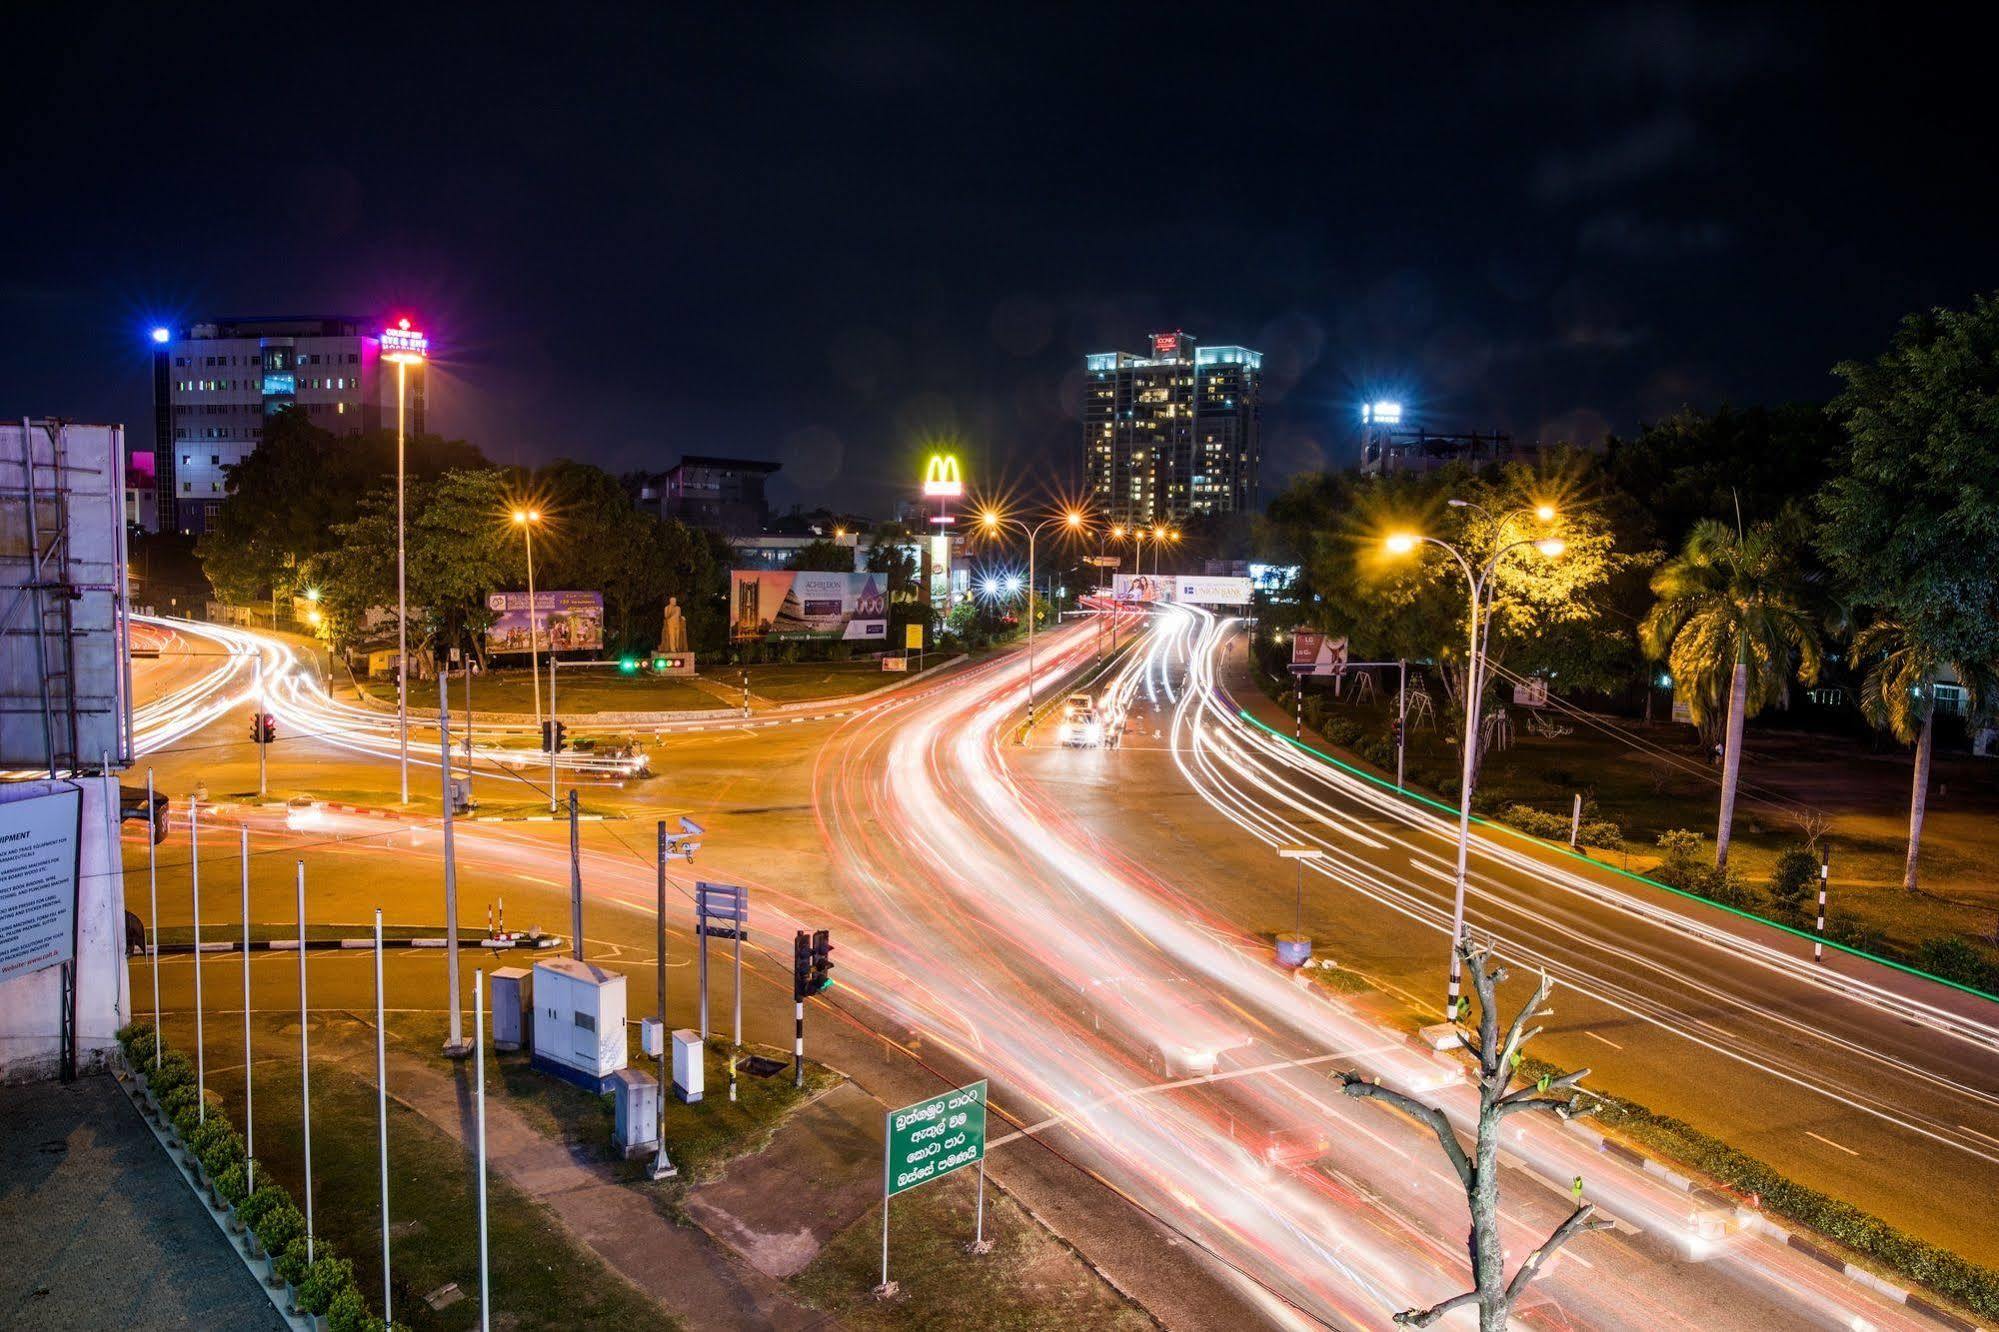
(216,1143)
(279,1226)
(1793,880)
(135,1037)
(349,1313)
(266,1196)
(324,1281)
(1607,833)
(1958,959)
(187,1119)
(1681,844)
(291,1265)
(174,1070)
(232,1185)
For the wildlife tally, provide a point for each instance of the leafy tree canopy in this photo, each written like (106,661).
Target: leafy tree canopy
(823,556)
(1911,525)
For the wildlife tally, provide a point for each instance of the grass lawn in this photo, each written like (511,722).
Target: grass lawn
(701,1138)
(1864,793)
(1029,1281)
(541,1277)
(598,689)
(799,682)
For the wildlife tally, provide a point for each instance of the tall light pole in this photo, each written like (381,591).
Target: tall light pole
(406,347)
(991,521)
(525,519)
(1477,580)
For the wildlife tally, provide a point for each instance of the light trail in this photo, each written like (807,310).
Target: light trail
(1284,797)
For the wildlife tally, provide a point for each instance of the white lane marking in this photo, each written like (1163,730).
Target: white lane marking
(1605,1039)
(1830,1143)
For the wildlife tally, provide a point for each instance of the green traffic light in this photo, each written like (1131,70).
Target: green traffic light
(628,665)
(659,664)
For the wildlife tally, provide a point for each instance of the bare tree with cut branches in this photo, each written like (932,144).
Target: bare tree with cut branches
(1498,1055)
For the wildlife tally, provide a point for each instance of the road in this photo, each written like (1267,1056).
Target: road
(1169,1084)
(1846,1075)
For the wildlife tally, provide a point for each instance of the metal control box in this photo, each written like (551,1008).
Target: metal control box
(513,1007)
(635,1100)
(688,1068)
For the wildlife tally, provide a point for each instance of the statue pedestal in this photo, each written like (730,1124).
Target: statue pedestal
(672,663)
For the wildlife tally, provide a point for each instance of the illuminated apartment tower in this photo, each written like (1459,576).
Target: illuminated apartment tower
(1174,433)
(215,381)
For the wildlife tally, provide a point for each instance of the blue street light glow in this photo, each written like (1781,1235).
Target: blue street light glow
(162,335)
(1381,413)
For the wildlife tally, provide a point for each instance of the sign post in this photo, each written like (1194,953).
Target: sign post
(722,911)
(927,1141)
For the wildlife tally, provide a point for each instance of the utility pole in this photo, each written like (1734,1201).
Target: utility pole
(661,1167)
(575,881)
(1825,875)
(454,1044)
(249,1066)
(304,1061)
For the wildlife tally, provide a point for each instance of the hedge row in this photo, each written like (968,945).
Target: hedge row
(1604,833)
(1938,1269)
(325,1283)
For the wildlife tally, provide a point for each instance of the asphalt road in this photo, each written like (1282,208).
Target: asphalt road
(1878,1088)
(932,865)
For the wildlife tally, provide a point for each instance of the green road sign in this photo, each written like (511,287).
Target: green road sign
(930,1139)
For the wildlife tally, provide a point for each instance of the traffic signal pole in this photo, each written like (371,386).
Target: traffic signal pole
(263,783)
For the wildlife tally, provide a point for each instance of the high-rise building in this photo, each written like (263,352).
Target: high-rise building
(1172,434)
(214,383)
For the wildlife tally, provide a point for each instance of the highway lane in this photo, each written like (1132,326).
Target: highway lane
(1076,978)
(1861,1081)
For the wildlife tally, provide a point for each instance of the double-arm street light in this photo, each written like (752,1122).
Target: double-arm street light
(1478,578)
(405,347)
(991,521)
(527,520)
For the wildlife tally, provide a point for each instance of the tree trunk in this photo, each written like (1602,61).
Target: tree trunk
(1488,1249)
(1919,796)
(1731,760)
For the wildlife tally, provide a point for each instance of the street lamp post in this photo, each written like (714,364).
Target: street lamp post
(992,521)
(1477,580)
(406,347)
(525,519)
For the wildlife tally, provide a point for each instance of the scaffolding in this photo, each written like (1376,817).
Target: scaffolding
(65,647)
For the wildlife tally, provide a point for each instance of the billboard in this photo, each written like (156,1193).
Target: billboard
(1202,590)
(1314,652)
(65,647)
(804,604)
(562,622)
(38,881)
(1141,587)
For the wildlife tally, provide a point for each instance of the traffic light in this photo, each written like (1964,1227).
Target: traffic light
(1395,732)
(552,737)
(801,965)
(821,975)
(659,665)
(628,665)
(263,728)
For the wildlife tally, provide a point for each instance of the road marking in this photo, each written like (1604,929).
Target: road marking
(1976,1134)
(1606,1040)
(1830,1143)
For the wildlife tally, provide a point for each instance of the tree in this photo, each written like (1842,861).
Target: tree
(1498,1057)
(1750,461)
(1912,521)
(1732,624)
(294,489)
(823,555)
(1898,694)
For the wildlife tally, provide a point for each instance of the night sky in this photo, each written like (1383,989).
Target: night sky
(824,236)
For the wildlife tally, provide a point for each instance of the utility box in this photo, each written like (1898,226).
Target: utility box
(636,1118)
(652,1037)
(687,1065)
(579,1022)
(513,1007)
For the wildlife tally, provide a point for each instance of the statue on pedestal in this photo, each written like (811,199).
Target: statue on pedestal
(673,631)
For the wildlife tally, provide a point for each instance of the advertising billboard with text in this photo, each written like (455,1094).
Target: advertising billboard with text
(562,621)
(848,607)
(1316,653)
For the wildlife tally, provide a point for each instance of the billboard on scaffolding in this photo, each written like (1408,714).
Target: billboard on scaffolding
(803,604)
(65,649)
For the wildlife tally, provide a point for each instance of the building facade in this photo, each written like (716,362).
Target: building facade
(723,494)
(1173,433)
(215,382)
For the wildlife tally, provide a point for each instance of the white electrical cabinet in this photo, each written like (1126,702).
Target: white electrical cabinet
(687,1065)
(579,1022)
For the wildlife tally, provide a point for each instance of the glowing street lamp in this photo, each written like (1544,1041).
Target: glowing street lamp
(990,522)
(526,520)
(162,335)
(1401,543)
(405,347)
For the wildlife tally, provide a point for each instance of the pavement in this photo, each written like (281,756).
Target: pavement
(99,1229)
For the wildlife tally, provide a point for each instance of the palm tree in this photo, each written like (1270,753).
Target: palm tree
(1732,624)
(1898,694)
